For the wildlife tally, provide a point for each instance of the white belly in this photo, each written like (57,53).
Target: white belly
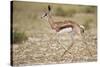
(66,30)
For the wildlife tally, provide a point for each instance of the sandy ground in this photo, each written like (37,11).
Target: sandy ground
(48,48)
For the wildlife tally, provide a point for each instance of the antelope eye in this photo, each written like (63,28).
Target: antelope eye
(45,14)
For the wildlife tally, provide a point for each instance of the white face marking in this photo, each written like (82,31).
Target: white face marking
(66,30)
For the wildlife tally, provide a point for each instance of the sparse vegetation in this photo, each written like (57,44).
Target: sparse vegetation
(70,11)
(61,12)
(87,25)
(18,37)
(88,22)
(89,9)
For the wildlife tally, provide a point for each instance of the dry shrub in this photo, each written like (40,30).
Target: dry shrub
(88,21)
(68,12)
(90,9)
(18,37)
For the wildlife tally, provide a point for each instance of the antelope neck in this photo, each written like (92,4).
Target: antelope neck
(50,20)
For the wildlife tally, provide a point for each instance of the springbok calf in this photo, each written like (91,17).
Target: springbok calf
(67,25)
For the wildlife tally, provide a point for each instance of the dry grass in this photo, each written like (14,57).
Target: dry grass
(43,45)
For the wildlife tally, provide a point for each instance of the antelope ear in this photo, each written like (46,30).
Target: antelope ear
(49,7)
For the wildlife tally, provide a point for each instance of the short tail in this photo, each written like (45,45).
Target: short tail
(82,28)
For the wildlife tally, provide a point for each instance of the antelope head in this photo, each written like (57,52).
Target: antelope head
(47,13)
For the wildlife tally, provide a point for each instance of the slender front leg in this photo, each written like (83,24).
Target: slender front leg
(71,34)
(58,41)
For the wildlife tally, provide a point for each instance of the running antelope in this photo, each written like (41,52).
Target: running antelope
(68,25)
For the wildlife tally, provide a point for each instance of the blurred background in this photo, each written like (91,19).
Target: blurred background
(34,42)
